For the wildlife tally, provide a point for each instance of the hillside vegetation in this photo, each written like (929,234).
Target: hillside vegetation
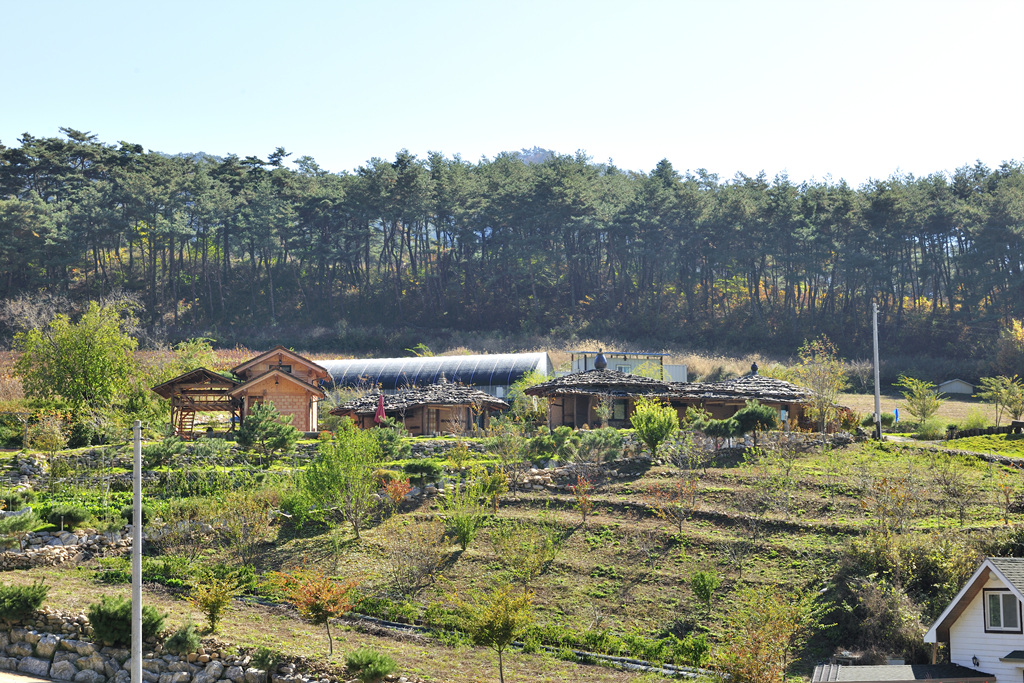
(259,250)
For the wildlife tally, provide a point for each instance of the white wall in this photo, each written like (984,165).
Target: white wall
(967,639)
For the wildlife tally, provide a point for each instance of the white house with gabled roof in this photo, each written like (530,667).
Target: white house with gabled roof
(983,623)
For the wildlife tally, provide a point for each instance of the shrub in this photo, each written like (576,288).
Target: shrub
(266,658)
(19,602)
(693,650)
(267,431)
(212,596)
(111,620)
(390,437)
(369,665)
(654,421)
(600,445)
(888,420)
(423,470)
(162,452)
(207,448)
(931,429)
(68,516)
(18,524)
(184,640)
(15,500)
(129,512)
(975,420)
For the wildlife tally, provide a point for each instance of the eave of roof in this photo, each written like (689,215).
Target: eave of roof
(197,376)
(1009,570)
(277,374)
(238,369)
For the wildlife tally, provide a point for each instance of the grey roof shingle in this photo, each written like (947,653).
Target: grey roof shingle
(1012,568)
(434,394)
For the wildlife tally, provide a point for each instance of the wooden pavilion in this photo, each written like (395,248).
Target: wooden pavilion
(279,376)
(442,408)
(198,391)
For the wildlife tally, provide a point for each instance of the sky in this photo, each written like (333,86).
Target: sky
(819,89)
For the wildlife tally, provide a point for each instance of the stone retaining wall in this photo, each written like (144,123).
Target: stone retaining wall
(58,645)
(50,548)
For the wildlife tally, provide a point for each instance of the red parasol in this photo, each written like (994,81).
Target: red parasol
(379,416)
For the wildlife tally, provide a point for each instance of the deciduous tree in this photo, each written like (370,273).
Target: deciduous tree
(316,597)
(340,481)
(496,618)
(87,363)
(821,370)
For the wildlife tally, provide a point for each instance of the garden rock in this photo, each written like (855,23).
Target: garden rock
(46,646)
(36,667)
(63,671)
(89,676)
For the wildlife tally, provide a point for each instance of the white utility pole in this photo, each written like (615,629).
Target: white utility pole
(137,558)
(878,395)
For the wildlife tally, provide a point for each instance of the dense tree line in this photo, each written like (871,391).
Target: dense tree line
(565,245)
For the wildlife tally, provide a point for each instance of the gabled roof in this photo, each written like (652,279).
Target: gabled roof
(199,379)
(277,376)
(602,382)
(1009,570)
(434,394)
(283,353)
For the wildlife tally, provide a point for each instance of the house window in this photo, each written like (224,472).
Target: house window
(284,368)
(618,410)
(623,368)
(1002,611)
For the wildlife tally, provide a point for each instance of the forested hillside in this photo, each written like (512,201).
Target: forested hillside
(564,245)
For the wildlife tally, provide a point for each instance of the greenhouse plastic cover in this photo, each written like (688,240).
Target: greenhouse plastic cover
(482,371)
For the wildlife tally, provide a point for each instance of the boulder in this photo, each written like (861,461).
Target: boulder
(63,671)
(94,662)
(235,674)
(20,649)
(255,676)
(8,664)
(152,665)
(214,669)
(46,646)
(122,676)
(89,676)
(38,667)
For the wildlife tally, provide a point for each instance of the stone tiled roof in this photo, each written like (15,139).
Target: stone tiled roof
(434,394)
(899,672)
(594,382)
(1012,568)
(745,387)
(624,384)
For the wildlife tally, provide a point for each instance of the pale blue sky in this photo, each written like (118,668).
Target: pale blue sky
(856,89)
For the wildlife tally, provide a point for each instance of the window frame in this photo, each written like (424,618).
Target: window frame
(1002,592)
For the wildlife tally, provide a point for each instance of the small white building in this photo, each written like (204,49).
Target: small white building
(983,623)
(955,386)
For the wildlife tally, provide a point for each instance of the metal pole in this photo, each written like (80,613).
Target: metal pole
(878,395)
(137,558)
